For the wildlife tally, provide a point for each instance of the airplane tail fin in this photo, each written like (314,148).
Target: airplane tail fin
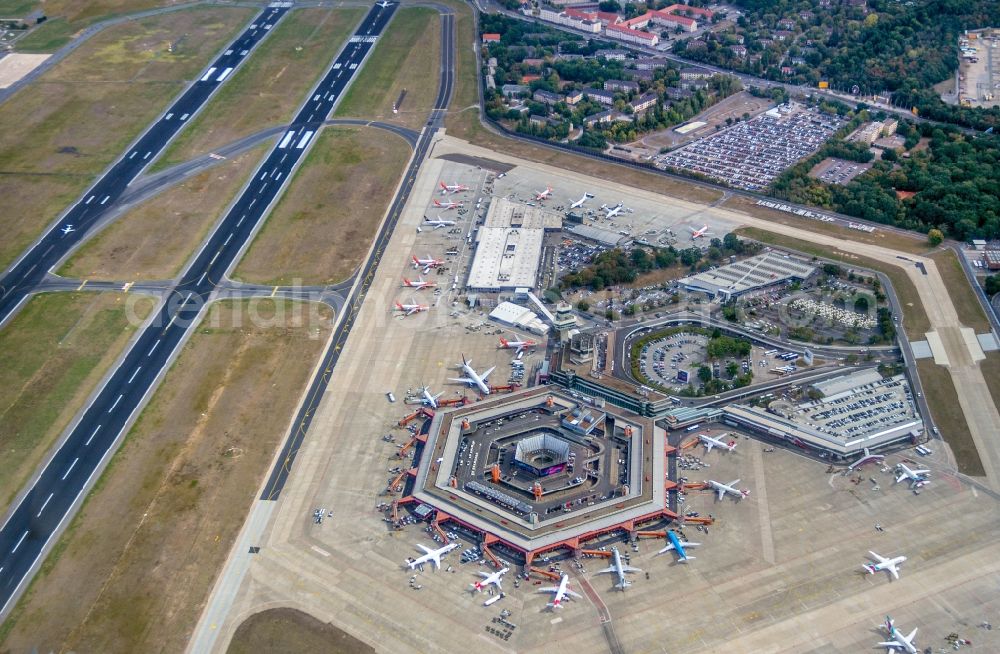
(399,306)
(503,341)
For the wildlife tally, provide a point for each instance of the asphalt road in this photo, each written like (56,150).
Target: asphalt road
(42,511)
(17,283)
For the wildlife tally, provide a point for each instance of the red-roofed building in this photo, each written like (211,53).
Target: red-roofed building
(629,35)
(580,15)
(491,38)
(528,79)
(608,18)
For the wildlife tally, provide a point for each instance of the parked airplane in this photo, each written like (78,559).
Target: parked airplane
(710,442)
(619,568)
(866,458)
(613,211)
(438,223)
(453,188)
(489,578)
(428,399)
(899,642)
(426,263)
(473,378)
(892,565)
(431,555)
(447,205)
(917,478)
(722,489)
(677,545)
(420,284)
(698,233)
(543,195)
(520,346)
(561,591)
(579,203)
(410,309)
(67,229)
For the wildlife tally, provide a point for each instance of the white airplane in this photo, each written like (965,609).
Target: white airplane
(473,378)
(426,263)
(384,4)
(579,203)
(917,478)
(420,284)
(866,458)
(899,642)
(613,211)
(428,399)
(679,546)
(431,555)
(67,229)
(447,205)
(410,309)
(488,578)
(619,569)
(892,565)
(438,223)
(543,195)
(561,591)
(698,233)
(520,346)
(453,188)
(710,442)
(722,489)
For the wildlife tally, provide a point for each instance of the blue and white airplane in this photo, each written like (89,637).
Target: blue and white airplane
(677,545)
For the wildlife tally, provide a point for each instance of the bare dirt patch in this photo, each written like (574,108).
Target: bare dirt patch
(292,632)
(143,553)
(136,247)
(325,222)
(734,108)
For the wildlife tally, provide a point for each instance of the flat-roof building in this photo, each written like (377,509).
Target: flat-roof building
(753,274)
(509,246)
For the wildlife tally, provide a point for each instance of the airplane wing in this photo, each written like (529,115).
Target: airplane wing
(548,589)
(487,373)
(691,544)
(666,549)
(464,380)
(909,639)
(606,570)
(895,572)
(579,596)
(901,477)
(708,446)
(628,568)
(426,549)
(880,559)
(721,492)
(889,645)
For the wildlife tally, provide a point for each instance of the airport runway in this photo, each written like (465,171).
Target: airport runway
(18,282)
(28,532)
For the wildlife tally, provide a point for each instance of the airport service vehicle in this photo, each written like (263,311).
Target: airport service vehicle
(520,346)
(710,443)
(678,545)
(730,488)
(436,224)
(453,188)
(410,309)
(490,578)
(898,642)
(431,555)
(917,478)
(579,203)
(473,378)
(561,591)
(419,284)
(619,568)
(892,565)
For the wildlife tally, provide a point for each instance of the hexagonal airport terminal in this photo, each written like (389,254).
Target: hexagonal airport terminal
(542,469)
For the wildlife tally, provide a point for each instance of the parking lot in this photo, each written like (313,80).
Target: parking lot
(750,155)
(838,171)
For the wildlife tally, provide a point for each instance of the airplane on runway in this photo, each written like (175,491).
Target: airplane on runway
(453,188)
(710,442)
(613,211)
(677,545)
(561,591)
(447,205)
(520,346)
(67,229)
(579,203)
(420,284)
(384,4)
(410,309)
(722,489)
(892,565)
(698,233)
(427,263)
(431,555)
(489,578)
(619,569)
(866,458)
(473,378)
(438,223)
(543,195)
(427,399)
(917,478)
(899,642)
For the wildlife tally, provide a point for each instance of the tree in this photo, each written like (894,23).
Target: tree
(732,369)
(992,284)
(861,304)
(935,237)
(705,374)
(583,305)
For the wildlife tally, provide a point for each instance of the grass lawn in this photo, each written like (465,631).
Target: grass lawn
(962,295)
(134,247)
(292,632)
(142,555)
(990,368)
(405,57)
(53,353)
(322,227)
(59,133)
(942,398)
(67,17)
(270,86)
